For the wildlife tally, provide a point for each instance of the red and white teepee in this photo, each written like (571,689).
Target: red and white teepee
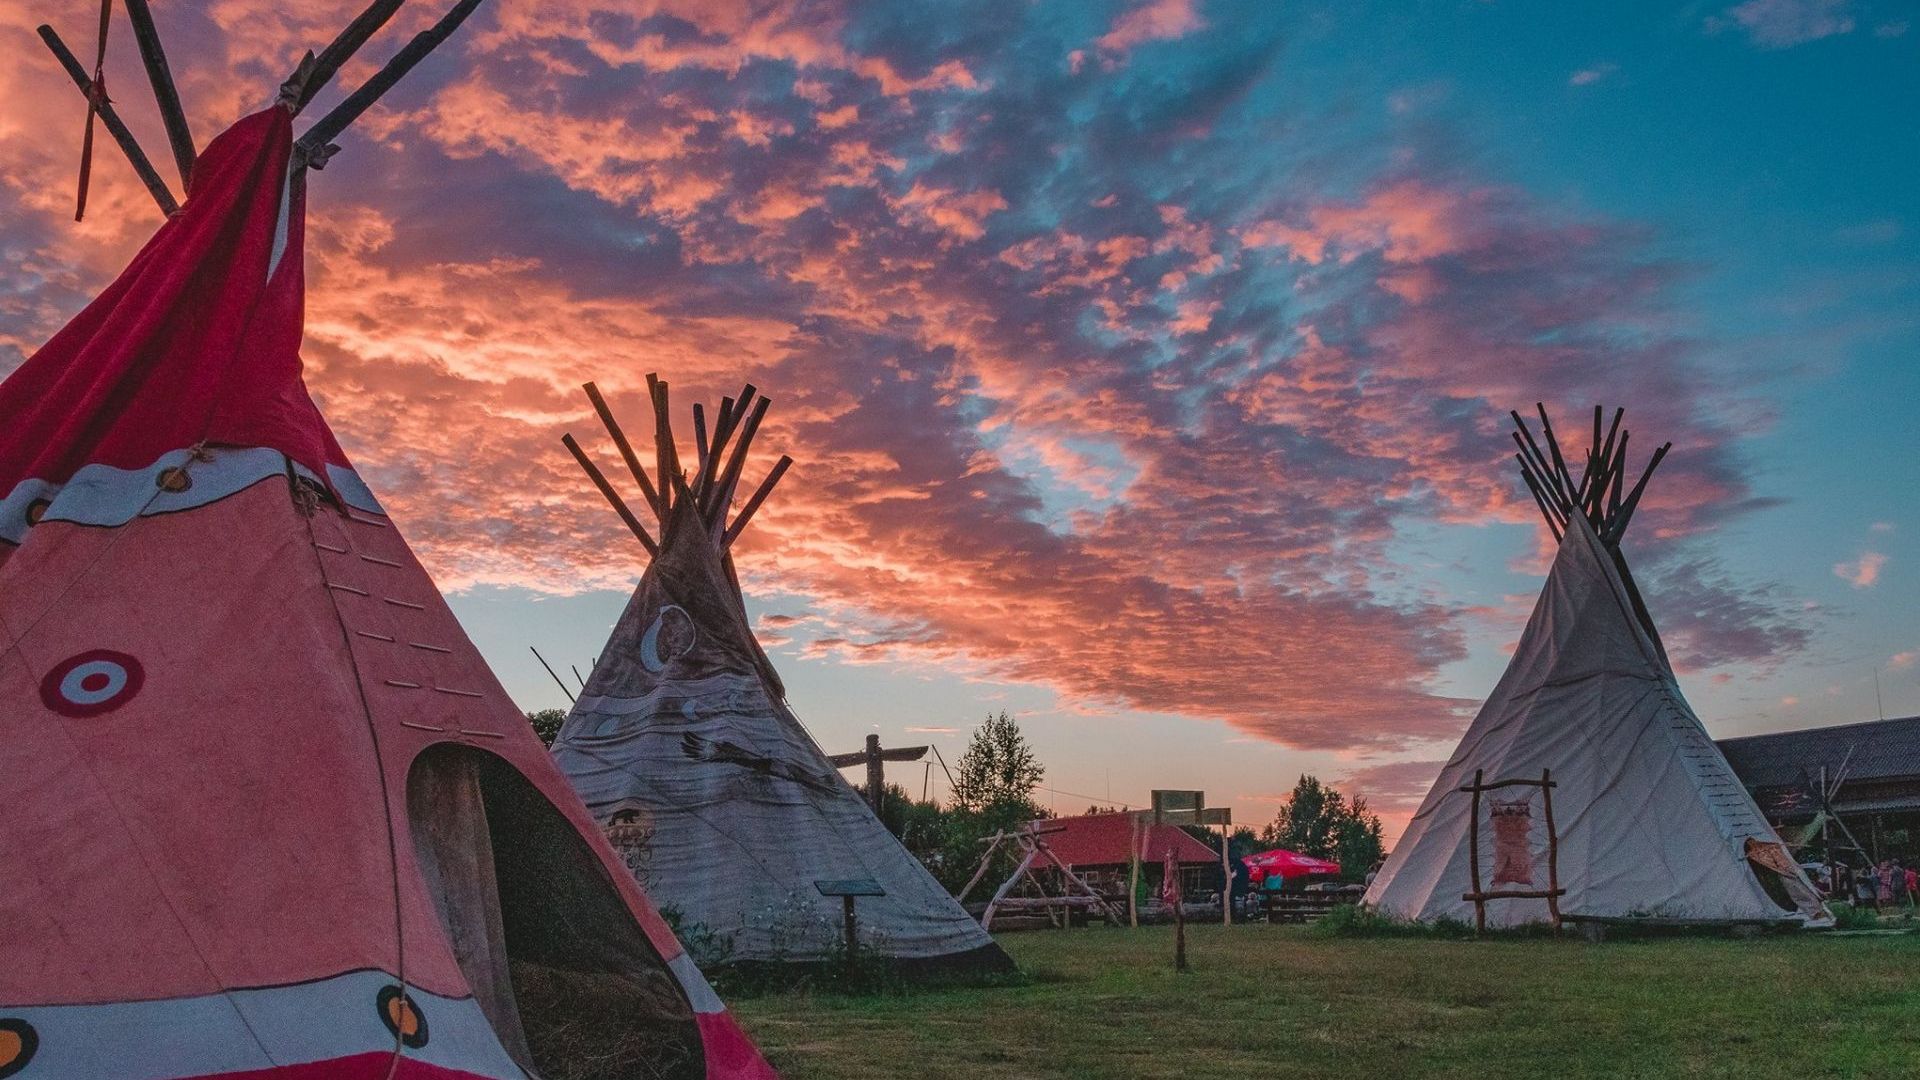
(267,813)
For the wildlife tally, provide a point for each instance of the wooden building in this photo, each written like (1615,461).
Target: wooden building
(1865,775)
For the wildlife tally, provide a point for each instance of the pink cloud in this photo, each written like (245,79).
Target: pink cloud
(1861,573)
(1155,20)
(1058,430)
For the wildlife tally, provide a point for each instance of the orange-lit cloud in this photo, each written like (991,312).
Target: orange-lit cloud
(1066,409)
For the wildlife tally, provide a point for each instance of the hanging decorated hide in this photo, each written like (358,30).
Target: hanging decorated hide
(1512,841)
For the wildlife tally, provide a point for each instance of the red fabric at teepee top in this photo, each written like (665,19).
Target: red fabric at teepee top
(197,341)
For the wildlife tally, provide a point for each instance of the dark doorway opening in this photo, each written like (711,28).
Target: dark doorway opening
(564,974)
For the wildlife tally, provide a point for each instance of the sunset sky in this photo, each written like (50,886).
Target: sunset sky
(1145,364)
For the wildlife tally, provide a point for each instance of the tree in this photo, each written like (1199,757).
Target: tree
(546,724)
(998,768)
(1319,821)
(993,791)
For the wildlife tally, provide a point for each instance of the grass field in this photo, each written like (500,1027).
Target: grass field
(1271,1002)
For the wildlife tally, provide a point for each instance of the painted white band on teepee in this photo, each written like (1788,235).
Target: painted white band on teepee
(105,496)
(253,1029)
(699,992)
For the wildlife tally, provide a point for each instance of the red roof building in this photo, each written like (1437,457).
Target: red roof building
(1102,840)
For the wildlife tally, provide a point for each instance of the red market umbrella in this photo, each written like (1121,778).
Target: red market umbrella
(1285,864)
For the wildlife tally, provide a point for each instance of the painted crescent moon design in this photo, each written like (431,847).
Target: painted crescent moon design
(650,655)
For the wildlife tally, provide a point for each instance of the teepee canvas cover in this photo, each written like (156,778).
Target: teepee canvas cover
(682,741)
(266,811)
(1649,819)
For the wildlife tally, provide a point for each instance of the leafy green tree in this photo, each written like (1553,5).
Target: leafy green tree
(546,724)
(993,791)
(998,768)
(1319,821)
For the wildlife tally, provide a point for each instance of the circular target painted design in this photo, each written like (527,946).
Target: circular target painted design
(92,683)
(173,479)
(18,1042)
(402,1016)
(36,510)
(668,638)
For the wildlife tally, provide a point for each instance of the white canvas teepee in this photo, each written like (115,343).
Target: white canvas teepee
(683,745)
(1648,819)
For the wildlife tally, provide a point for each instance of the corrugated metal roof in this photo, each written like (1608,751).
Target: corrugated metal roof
(1881,749)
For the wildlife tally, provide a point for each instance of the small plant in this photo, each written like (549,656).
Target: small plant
(708,947)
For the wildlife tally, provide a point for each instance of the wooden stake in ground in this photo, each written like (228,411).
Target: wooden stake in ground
(1171,893)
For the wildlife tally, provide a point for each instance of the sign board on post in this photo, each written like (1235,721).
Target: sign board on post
(846,889)
(1176,801)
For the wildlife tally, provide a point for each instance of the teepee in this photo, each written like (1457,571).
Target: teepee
(1586,788)
(683,744)
(266,811)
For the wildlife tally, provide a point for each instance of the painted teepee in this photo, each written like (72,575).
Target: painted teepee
(1647,821)
(682,742)
(266,811)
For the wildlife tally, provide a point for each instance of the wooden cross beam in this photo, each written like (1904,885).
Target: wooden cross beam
(872,757)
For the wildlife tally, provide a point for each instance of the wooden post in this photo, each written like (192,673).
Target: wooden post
(1473,855)
(1179,913)
(1553,850)
(1226,876)
(876,776)
(1133,870)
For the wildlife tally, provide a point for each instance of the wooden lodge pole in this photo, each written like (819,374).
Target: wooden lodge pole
(165,95)
(115,126)
(613,497)
(313,144)
(625,447)
(342,48)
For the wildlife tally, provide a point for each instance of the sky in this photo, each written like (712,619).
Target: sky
(1145,364)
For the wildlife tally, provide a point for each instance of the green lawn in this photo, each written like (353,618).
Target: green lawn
(1105,1003)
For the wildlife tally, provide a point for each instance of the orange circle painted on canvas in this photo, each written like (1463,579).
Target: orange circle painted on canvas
(18,1042)
(401,1013)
